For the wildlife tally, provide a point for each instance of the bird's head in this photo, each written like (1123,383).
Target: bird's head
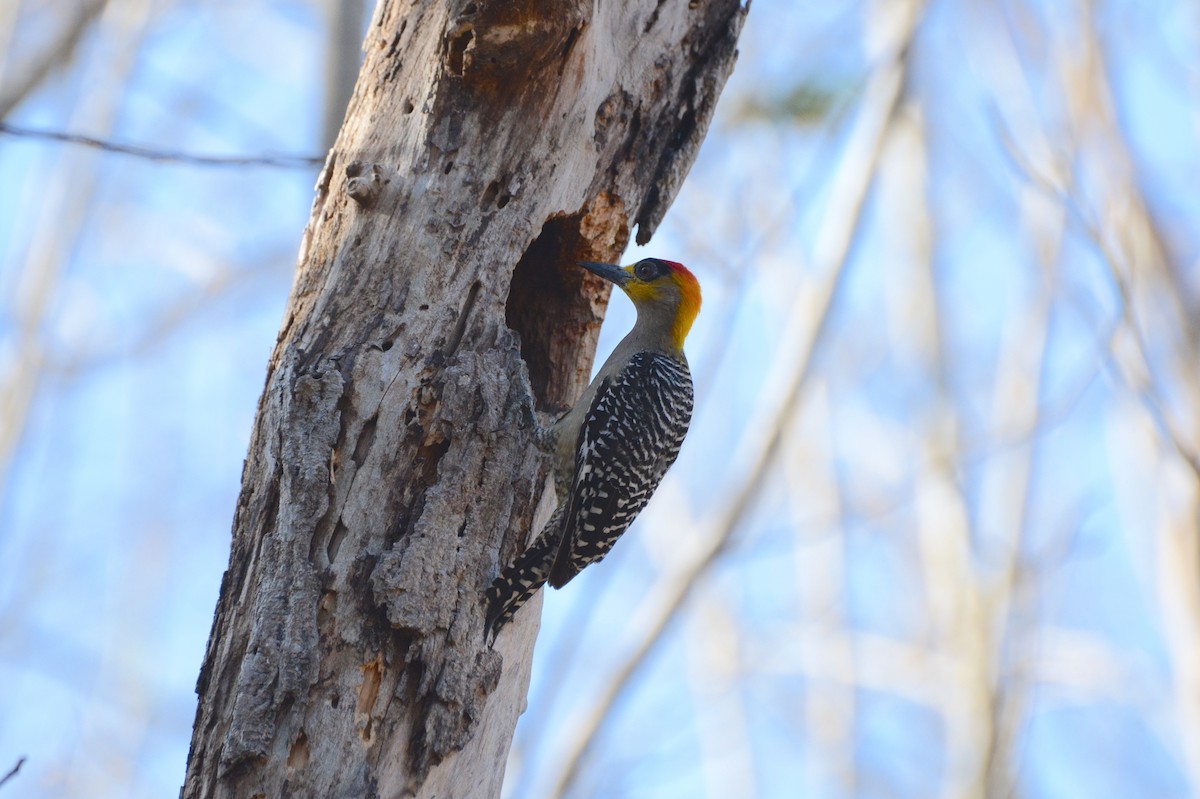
(665,290)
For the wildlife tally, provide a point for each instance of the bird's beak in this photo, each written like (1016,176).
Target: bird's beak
(610,272)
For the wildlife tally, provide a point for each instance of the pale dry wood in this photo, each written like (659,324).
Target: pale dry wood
(487,146)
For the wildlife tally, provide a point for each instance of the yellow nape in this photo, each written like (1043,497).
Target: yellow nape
(689,306)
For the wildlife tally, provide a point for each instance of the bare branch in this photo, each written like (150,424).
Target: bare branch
(164,156)
(12,772)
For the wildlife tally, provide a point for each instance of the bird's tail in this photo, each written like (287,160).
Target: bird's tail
(522,579)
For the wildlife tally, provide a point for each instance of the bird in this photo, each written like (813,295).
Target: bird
(613,447)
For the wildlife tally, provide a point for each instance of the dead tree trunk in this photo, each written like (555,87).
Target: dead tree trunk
(488,146)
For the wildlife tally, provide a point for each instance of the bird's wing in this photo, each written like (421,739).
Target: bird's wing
(629,438)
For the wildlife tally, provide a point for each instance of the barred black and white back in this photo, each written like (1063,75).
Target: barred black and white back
(631,435)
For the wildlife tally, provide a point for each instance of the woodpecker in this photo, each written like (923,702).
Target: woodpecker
(614,446)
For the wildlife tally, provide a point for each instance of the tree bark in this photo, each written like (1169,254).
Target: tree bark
(391,471)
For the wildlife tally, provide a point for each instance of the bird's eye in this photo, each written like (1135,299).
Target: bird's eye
(645,270)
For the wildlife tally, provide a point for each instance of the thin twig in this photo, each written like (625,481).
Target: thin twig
(1147,394)
(12,772)
(164,156)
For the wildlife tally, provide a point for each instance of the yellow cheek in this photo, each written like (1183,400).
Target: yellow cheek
(639,291)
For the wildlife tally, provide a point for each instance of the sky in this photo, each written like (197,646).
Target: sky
(971,542)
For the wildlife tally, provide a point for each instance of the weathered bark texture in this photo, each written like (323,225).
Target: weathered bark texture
(488,146)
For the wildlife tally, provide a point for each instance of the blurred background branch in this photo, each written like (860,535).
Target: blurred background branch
(21,78)
(154,154)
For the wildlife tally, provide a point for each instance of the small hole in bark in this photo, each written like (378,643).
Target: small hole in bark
(430,457)
(334,701)
(326,612)
(489,194)
(335,541)
(366,437)
(570,42)
(368,689)
(298,755)
(503,201)
(460,327)
(634,132)
(446,169)
(387,345)
(423,307)
(456,55)
(408,107)
(653,16)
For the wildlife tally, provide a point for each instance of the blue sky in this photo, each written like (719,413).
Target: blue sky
(907,484)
